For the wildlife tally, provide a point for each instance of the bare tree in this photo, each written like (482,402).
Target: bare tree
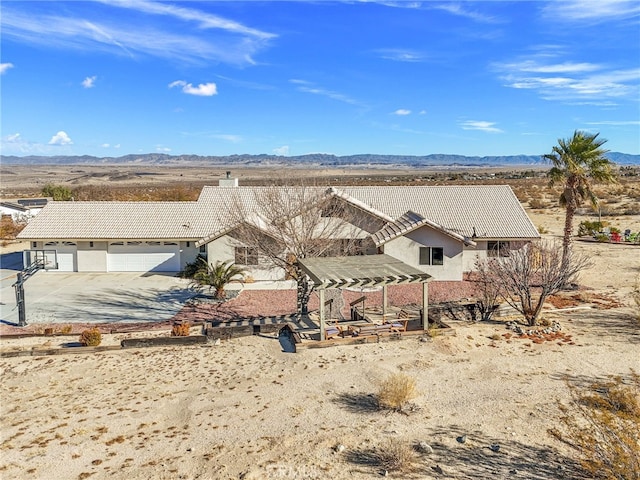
(488,288)
(284,224)
(528,275)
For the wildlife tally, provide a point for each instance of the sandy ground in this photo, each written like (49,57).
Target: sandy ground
(246,409)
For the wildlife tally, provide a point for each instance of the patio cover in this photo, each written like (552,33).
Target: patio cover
(362,271)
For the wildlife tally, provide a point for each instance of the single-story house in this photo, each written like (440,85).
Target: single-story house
(23,209)
(441,230)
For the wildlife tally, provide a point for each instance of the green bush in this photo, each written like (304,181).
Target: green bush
(588,228)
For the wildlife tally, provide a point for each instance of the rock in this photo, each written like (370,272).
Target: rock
(438,469)
(384,473)
(339,448)
(495,447)
(424,447)
(462,439)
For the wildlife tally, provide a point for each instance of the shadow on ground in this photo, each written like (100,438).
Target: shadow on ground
(117,306)
(476,459)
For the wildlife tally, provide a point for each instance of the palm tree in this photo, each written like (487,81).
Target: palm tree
(218,275)
(578,162)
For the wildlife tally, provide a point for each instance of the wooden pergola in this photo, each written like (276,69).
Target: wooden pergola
(363,271)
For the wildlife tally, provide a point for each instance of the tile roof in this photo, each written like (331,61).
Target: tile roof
(119,220)
(492,211)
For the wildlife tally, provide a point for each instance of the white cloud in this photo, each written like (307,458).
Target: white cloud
(4,67)
(308,87)
(15,137)
(591,10)
(620,123)
(400,55)
(402,111)
(160,148)
(213,38)
(423,112)
(203,90)
(570,81)
(480,125)
(89,82)
(105,145)
(228,137)
(283,150)
(457,9)
(60,138)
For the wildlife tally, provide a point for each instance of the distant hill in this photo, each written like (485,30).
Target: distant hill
(311,160)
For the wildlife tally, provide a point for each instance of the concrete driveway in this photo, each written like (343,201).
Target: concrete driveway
(59,297)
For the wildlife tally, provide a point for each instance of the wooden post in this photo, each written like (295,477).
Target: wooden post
(384,302)
(322,335)
(425,306)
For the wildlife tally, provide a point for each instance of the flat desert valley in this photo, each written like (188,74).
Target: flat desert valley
(246,409)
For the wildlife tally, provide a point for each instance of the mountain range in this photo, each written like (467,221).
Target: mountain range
(312,160)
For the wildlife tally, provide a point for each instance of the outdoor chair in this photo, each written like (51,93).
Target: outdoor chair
(398,326)
(332,331)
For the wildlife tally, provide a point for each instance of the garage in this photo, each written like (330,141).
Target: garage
(143,257)
(65,255)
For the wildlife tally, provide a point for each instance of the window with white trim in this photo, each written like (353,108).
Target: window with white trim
(498,249)
(431,256)
(246,256)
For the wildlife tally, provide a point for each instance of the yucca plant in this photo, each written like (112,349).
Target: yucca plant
(218,275)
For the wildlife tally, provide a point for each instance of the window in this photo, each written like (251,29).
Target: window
(90,244)
(498,249)
(431,256)
(188,244)
(203,249)
(34,244)
(246,256)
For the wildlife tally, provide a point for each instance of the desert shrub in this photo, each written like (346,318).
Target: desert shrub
(66,329)
(602,238)
(602,423)
(190,269)
(542,229)
(180,329)
(396,456)
(397,391)
(635,295)
(10,228)
(91,337)
(537,204)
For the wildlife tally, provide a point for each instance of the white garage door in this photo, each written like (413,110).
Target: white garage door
(65,255)
(143,257)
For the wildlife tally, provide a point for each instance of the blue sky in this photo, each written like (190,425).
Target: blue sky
(116,77)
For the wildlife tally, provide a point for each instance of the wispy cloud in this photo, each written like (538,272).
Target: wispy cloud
(283,150)
(89,82)
(570,81)
(402,112)
(202,90)
(162,148)
(228,137)
(4,67)
(483,126)
(457,9)
(60,138)
(103,29)
(620,123)
(308,87)
(400,55)
(591,10)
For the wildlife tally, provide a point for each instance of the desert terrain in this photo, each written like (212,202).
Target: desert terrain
(244,408)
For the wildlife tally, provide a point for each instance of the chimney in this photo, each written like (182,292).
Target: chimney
(228,181)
